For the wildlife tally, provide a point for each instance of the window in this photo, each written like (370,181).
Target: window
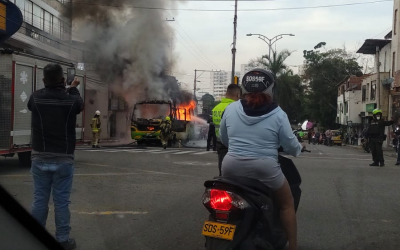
(48,24)
(28,12)
(395,22)
(373,90)
(56,27)
(364,93)
(37,17)
(393,63)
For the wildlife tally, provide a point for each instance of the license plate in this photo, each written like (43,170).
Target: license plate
(219,230)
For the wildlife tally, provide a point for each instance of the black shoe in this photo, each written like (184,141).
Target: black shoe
(93,146)
(208,149)
(375,164)
(397,163)
(165,146)
(98,146)
(382,164)
(69,244)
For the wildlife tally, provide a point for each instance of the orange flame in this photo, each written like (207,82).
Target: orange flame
(184,111)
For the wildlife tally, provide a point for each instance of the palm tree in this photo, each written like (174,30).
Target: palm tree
(275,63)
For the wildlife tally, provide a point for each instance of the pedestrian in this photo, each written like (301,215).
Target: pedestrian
(309,136)
(232,94)
(317,135)
(165,131)
(95,125)
(54,110)
(328,134)
(376,135)
(211,136)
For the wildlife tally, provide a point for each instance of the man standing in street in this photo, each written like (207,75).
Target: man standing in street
(165,132)
(54,110)
(211,136)
(376,135)
(328,134)
(96,124)
(233,94)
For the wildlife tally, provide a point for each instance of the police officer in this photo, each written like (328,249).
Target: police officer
(376,135)
(233,94)
(96,124)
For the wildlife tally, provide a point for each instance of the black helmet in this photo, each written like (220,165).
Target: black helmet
(258,80)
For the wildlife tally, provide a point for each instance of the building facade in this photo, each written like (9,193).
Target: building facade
(220,81)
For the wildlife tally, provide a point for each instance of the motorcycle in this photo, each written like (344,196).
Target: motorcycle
(242,211)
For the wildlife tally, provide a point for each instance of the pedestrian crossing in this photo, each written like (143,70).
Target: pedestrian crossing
(171,151)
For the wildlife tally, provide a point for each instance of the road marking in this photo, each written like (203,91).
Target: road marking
(152,151)
(183,152)
(164,173)
(111,212)
(166,152)
(203,153)
(92,164)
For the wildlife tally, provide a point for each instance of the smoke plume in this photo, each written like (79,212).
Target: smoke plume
(131,47)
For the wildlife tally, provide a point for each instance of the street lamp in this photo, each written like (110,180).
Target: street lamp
(270,42)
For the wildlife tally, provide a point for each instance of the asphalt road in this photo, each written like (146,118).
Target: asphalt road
(151,199)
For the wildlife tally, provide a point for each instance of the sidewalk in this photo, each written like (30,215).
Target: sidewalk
(387,151)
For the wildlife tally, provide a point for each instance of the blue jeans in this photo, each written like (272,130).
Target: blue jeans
(57,178)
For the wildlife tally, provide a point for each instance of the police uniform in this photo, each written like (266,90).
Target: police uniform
(217,113)
(376,135)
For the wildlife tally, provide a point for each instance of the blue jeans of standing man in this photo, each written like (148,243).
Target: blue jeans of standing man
(55,178)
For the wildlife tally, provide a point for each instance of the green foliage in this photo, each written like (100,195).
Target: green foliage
(323,71)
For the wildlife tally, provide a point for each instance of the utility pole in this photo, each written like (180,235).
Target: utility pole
(195,85)
(378,78)
(234,43)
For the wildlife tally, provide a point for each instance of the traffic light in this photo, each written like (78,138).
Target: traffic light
(236,80)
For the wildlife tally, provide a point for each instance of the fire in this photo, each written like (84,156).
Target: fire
(184,111)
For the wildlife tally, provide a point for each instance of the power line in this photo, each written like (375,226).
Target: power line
(190,51)
(229,10)
(205,56)
(203,61)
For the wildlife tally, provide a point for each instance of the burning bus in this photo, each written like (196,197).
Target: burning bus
(147,117)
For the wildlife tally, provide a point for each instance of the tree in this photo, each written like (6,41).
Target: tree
(289,91)
(275,63)
(208,103)
(323,71)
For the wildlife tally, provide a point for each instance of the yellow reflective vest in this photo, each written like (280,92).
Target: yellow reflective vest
(95,124)
(218,111)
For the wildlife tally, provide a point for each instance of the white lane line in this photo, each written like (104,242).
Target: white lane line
(111,212)
(184,152)
(166,152)
(134,151)
(203,153)
(152,151)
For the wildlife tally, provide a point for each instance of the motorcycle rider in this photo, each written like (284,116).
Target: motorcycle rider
(233,94)
(376,135)
(254,129)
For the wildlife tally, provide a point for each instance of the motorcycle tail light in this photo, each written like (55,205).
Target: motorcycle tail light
(221,200)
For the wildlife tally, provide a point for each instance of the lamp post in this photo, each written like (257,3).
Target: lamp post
(270,42)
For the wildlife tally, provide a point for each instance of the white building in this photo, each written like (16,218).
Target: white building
(220,81)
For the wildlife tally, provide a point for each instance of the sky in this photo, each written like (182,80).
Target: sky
(203,39)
